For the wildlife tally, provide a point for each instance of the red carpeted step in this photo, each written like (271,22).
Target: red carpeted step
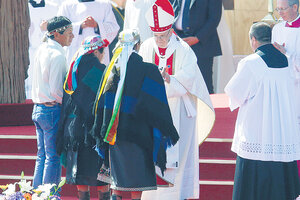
(16,114)
(18,130)
(216,192)
(224,124)
(20,146)
(18,139)
(14,164)
(15,167)
(216,149)
(225,119)
(217,169)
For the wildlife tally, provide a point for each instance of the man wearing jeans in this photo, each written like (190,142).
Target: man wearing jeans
(47,90)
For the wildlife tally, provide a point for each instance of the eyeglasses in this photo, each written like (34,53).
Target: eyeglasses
(162,37)
(282,9)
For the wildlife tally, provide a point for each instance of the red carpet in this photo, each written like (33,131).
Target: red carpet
(16,114)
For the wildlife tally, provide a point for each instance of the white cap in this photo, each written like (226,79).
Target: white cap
(129,36)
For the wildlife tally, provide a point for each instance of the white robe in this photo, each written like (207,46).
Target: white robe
(37,15)
(266,126)
(189,102)
(135,17)
(101,11)
(291,38)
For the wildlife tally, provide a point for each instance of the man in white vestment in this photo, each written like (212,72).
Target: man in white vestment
(189,102)
(89,17)
(286,37)
(266,137)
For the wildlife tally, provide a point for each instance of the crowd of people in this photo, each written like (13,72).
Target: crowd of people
(121,97)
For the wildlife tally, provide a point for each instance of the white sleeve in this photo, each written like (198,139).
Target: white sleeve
(185,79)
(174,88)
(57,74)
(109,27)
(127,16)
(241,86)
(274,39)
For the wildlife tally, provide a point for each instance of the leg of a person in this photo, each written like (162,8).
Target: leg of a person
(40,160)
(205,65)
(103,192)
(136,195)
(83,192)
(83,188)
(52,170)
(116,195)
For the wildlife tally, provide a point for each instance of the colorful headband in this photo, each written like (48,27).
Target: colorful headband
(50,33)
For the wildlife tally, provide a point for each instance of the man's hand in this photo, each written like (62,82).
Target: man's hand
(280,47)
(89,22)
(166,76)
(43,25)
(191,40)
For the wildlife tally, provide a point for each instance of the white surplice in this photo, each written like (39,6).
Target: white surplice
(193,117)
(135,11)
(102,13)
(266,126)
(291,38)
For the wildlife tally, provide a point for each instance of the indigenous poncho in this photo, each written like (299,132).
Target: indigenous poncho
(144,108)
(76,146)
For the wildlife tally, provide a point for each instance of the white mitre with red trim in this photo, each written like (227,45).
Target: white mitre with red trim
(160,17)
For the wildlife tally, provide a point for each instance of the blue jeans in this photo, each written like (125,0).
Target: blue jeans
(47,166)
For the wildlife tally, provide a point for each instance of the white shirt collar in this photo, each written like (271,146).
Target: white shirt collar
(56,44)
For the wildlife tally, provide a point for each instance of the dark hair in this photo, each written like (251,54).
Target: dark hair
(57,22)
(101,50)
(292,2)
(261,31)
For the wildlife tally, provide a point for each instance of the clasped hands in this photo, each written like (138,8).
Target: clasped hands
(165,76)
(89,22)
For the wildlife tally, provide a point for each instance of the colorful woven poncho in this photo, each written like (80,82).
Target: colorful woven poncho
(127,40)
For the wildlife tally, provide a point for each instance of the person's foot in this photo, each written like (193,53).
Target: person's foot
(104,195)
(115,197)
(83,195)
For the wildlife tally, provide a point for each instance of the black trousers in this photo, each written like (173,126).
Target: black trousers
(205,65)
